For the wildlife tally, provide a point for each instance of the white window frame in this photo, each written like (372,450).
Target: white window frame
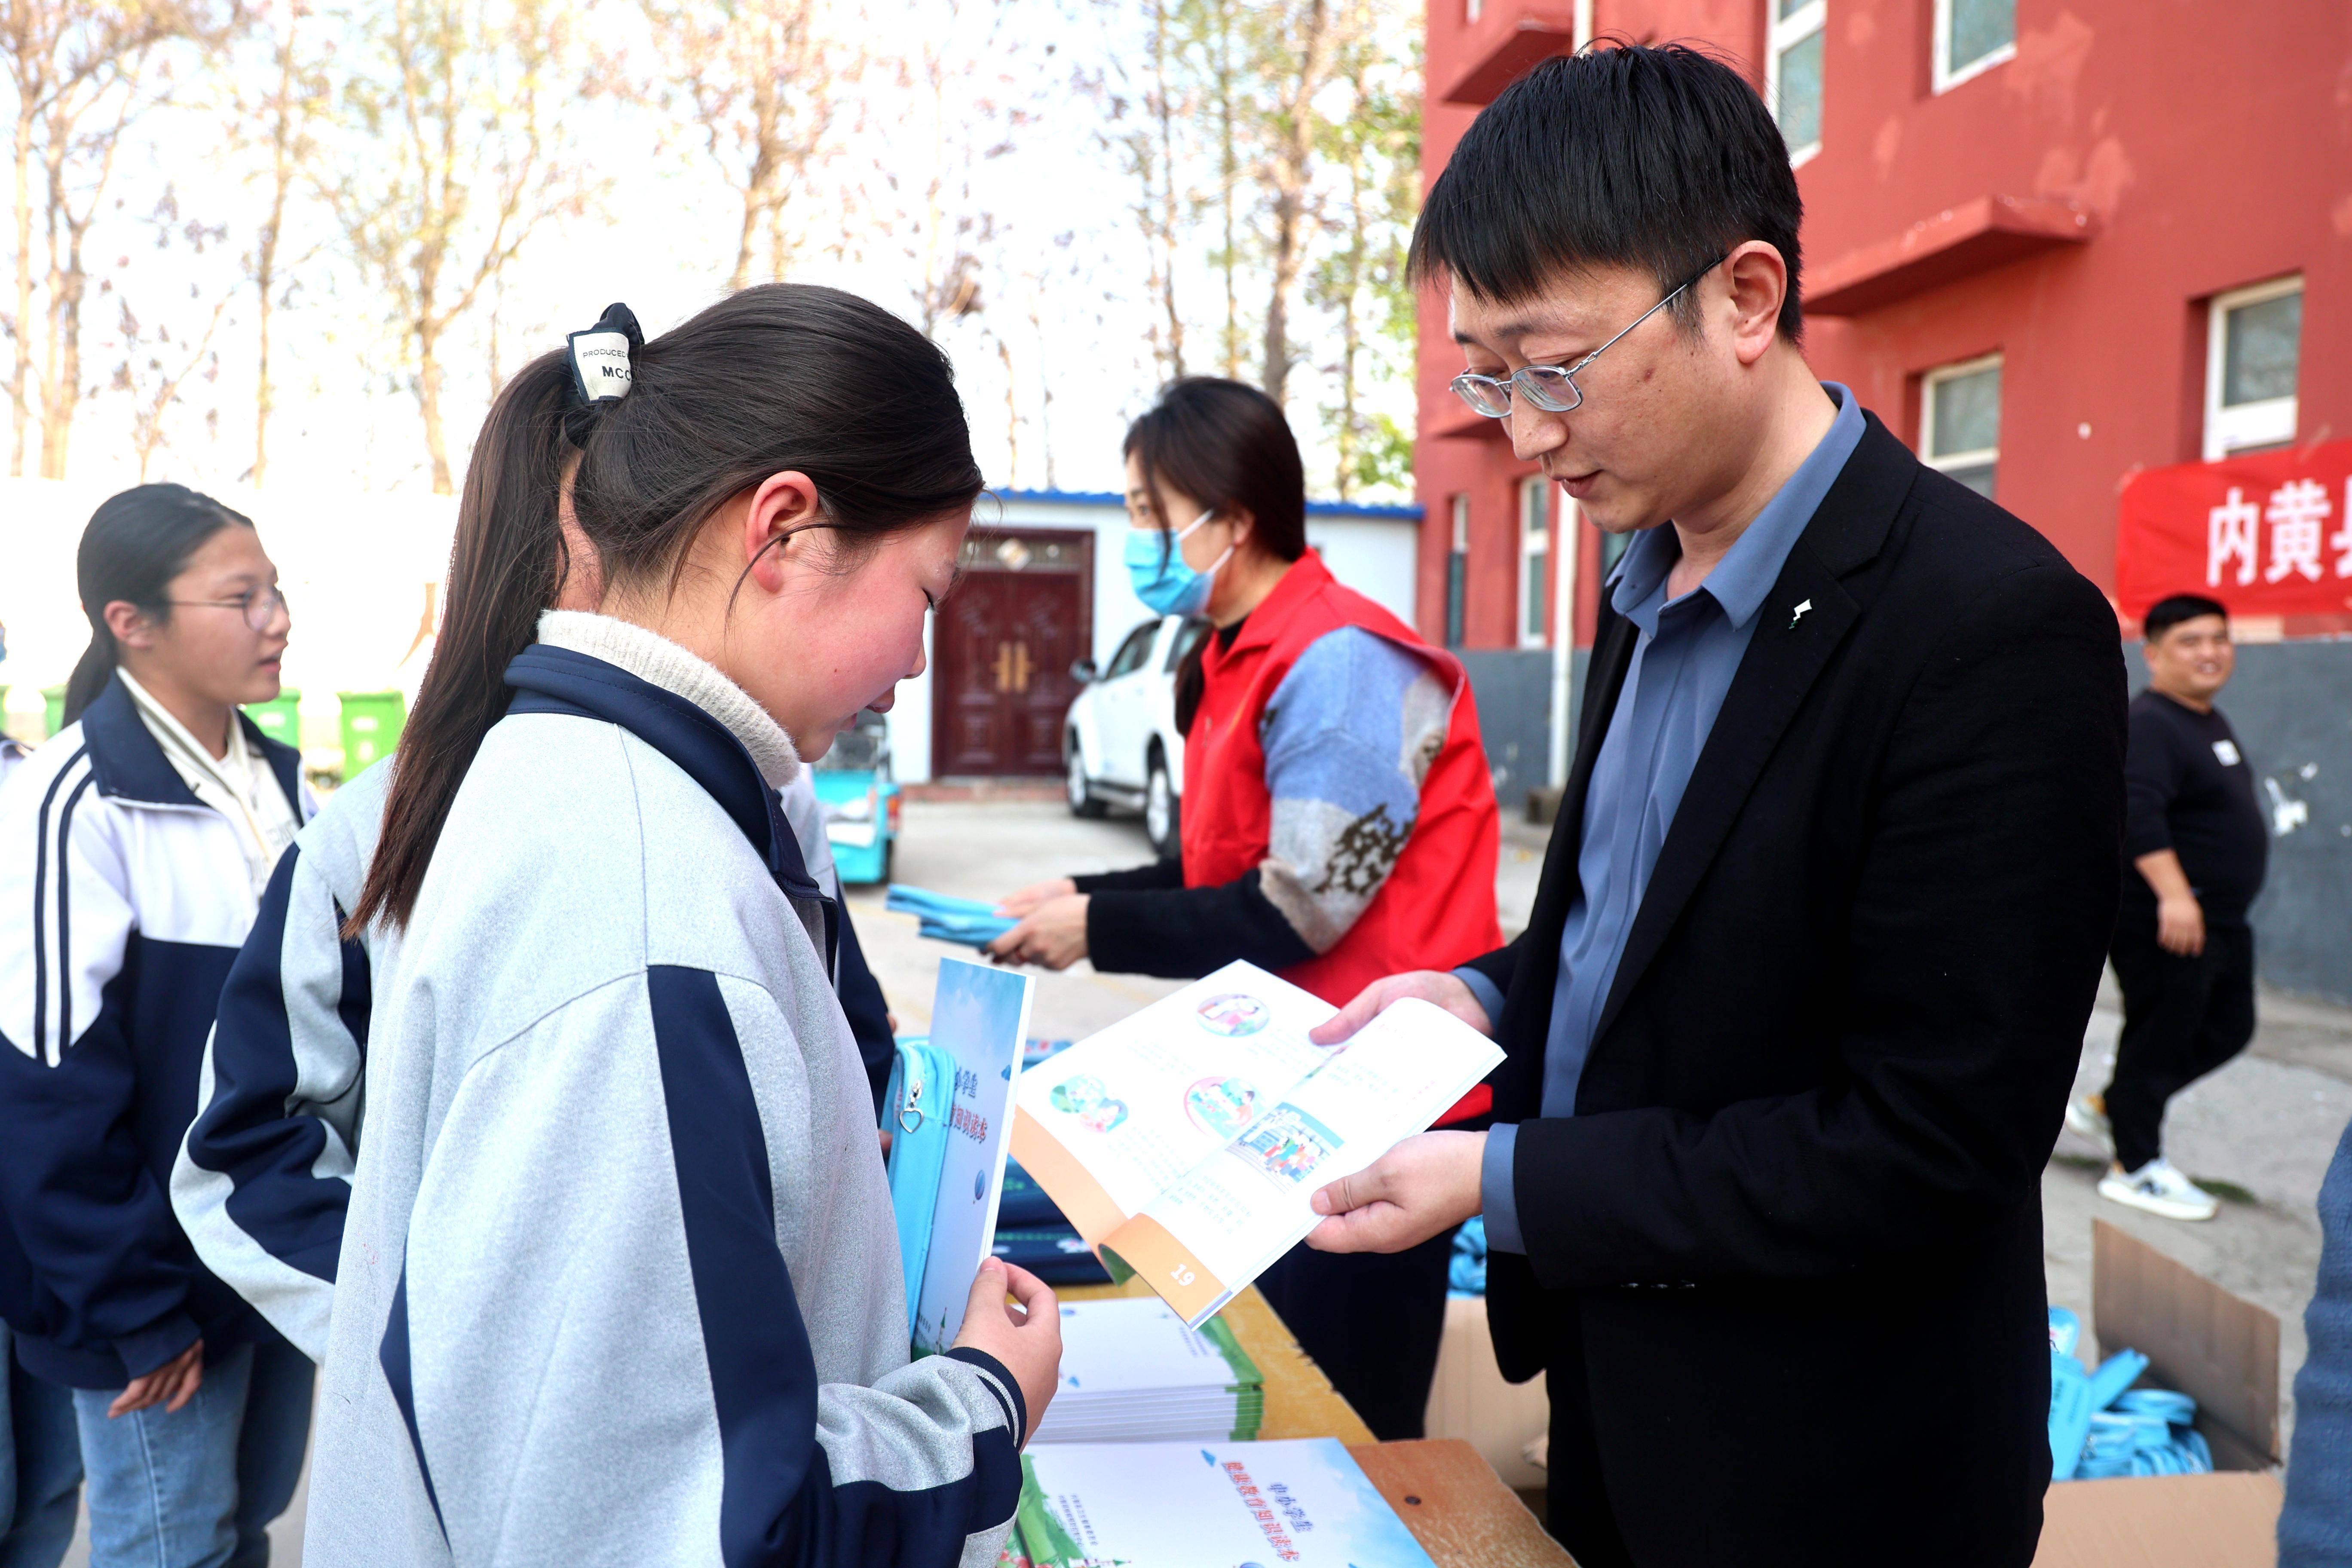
(2269,423)
(1946,462)
(1945,78)
(1536,531)
(1781,34)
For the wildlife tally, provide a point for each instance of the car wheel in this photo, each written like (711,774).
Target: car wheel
(1083,802)
(1161,811)
(889,858)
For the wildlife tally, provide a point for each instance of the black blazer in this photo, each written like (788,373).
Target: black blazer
(1785,1258)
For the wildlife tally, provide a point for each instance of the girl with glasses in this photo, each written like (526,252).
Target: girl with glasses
(133,850)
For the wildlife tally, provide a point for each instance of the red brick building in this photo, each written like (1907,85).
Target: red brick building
(2051,243)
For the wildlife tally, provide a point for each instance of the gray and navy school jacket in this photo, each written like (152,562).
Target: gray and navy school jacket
(620,1280)
(13,753)
(264,1177)
(123,900)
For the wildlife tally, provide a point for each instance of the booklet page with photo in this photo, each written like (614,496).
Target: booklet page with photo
(1184,1143)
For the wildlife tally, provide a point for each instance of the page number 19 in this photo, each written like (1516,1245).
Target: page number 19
(1182,1275)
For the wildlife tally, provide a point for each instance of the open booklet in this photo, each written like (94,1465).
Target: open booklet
(1184,1141)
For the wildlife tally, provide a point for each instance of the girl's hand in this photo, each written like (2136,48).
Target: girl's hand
(172,1386)
(1052,936)
(1027,1340)
(1036,893)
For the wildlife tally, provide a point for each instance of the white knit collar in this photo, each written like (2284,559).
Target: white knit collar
(651,657)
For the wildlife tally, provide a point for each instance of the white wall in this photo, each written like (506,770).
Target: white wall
(1373,555)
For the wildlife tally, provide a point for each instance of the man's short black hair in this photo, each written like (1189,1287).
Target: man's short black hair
(1660,158)
(2166,614)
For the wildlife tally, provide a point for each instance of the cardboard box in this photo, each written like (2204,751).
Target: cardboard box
(1468,1399)
(2222,1351)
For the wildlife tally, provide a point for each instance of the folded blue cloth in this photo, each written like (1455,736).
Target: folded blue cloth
(1465,1273)
(945,919)
(2101,1427)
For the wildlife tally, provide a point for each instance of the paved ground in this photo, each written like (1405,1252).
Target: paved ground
(2266,1124)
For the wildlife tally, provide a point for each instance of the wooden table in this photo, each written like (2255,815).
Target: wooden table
(1451,1499)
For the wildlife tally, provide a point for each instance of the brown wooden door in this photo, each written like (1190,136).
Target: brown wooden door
(1006,640)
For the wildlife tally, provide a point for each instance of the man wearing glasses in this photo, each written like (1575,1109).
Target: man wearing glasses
(1791,1028)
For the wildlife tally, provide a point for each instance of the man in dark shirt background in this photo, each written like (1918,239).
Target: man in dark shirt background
(2183,950)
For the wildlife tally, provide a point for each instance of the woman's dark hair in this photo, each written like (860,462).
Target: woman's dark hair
(780,377)
(136,542)
(1227,447)
(1660,158)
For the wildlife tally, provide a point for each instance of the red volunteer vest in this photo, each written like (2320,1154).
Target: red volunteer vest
(1437,908)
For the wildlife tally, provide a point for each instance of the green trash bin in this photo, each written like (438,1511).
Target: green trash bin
(371,722)
(281,718)
(56,697)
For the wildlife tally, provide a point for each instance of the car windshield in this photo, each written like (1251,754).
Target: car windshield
(858,750)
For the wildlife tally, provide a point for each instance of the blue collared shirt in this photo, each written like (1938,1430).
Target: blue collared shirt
(1687,652)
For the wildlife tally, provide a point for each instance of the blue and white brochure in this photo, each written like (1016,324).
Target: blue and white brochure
(979,1014)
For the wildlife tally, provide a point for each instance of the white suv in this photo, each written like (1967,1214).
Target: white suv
(1120,744)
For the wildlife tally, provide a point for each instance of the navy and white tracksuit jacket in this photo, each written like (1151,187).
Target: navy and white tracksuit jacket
(123,901)
(264,1178)
(619,1281)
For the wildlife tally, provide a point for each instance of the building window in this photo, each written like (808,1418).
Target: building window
(1457,571)
(1971,37)
(2252,351)
(1959,422)
(1535,561)
(1793,67)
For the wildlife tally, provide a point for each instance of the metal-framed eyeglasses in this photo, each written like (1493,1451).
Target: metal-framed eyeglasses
(1552,387)
(259,606)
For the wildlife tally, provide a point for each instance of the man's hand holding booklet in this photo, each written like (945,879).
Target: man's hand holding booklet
(1185,1142)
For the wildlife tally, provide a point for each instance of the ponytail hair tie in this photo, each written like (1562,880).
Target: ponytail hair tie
(603,358)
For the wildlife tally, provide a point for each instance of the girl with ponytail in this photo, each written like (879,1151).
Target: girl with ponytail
(619,1278)
(133,850)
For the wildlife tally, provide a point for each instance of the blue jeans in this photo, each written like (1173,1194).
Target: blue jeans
(40,1472)
(197,1487)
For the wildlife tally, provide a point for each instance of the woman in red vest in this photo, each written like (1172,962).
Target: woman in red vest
(1339,821)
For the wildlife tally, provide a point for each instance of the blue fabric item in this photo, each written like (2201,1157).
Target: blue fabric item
(200,1484)
(947,919)
(1056,1254)
(2101,1427)
(1465,1273)
(1683,663)
(40,1467)
(2316,1526)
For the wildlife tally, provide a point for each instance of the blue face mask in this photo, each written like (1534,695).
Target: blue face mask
(1162,579)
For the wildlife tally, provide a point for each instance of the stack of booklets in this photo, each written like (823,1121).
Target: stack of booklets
(1184,1505)
(1132,1373)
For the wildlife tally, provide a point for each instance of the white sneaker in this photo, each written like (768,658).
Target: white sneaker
(2160,1190)
(2086,1118)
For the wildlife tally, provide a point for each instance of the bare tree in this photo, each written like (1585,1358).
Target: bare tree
(278,117)
(765,84)
(460,105)
(80,71)
(1300,42)
(154,382)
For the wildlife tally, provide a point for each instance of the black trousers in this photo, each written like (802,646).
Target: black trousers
(1371,1321)
(2182,1018)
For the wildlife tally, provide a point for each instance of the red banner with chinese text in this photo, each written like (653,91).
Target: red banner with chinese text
(2269,534)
